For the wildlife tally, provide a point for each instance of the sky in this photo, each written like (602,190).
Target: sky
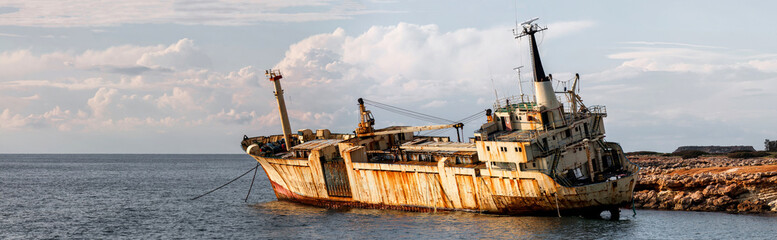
(89,76)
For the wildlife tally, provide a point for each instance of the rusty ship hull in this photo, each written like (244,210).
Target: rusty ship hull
(352,181)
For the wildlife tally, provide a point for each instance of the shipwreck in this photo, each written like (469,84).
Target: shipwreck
(538,156)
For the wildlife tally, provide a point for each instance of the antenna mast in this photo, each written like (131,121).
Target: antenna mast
(495,94)
(520,82)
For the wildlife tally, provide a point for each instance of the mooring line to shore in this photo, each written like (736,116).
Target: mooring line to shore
(256,169)
(252,169)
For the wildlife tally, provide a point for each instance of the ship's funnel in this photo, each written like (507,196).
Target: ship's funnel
(546,96)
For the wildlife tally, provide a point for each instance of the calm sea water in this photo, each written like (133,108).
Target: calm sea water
(147,196)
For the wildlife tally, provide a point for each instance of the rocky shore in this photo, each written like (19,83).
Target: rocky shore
(707,183)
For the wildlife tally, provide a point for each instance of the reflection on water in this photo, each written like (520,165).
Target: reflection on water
(296,219)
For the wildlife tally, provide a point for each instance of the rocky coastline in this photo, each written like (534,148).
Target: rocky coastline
(706,183)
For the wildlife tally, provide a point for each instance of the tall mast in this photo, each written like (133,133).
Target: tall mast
(275,77)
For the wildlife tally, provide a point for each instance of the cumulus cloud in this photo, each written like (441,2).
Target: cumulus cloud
(225,12)
(181,55)
(179,99)
(101,100)
(20,62)
(406,65)
(405,62)
(125,60)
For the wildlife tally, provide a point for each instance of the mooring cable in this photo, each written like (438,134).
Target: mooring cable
(195,198)
(256,169)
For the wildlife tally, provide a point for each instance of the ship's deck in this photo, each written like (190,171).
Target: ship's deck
(313,144)
(423,144)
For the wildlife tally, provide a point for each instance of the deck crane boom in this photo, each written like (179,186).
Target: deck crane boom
(366,121)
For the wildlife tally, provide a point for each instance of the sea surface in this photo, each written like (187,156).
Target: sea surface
(137,196)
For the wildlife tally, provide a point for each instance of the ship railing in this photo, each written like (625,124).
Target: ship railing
(527,102)
(598,109)
(592,110)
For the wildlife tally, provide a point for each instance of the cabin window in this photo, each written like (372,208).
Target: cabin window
(554,137)
(568,133)
(504,165)
(525,167)
(488,148)
(530,118)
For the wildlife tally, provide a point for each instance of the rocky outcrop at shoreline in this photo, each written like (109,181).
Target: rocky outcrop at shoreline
(708,183)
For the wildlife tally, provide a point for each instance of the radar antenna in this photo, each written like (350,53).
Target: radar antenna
(529,28)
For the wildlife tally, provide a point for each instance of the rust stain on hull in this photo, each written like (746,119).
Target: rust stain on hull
(425,192)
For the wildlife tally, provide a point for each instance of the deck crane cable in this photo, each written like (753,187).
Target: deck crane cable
(465,120)
(408,113)
(565,83)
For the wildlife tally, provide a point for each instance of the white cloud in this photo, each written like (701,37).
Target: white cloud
(179,99)
(125,60)
(11,121)
(683,58)
(78,13)
(406,62)
(120,56)
(769,65)
(181,55)
(101,100)
(20,62)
